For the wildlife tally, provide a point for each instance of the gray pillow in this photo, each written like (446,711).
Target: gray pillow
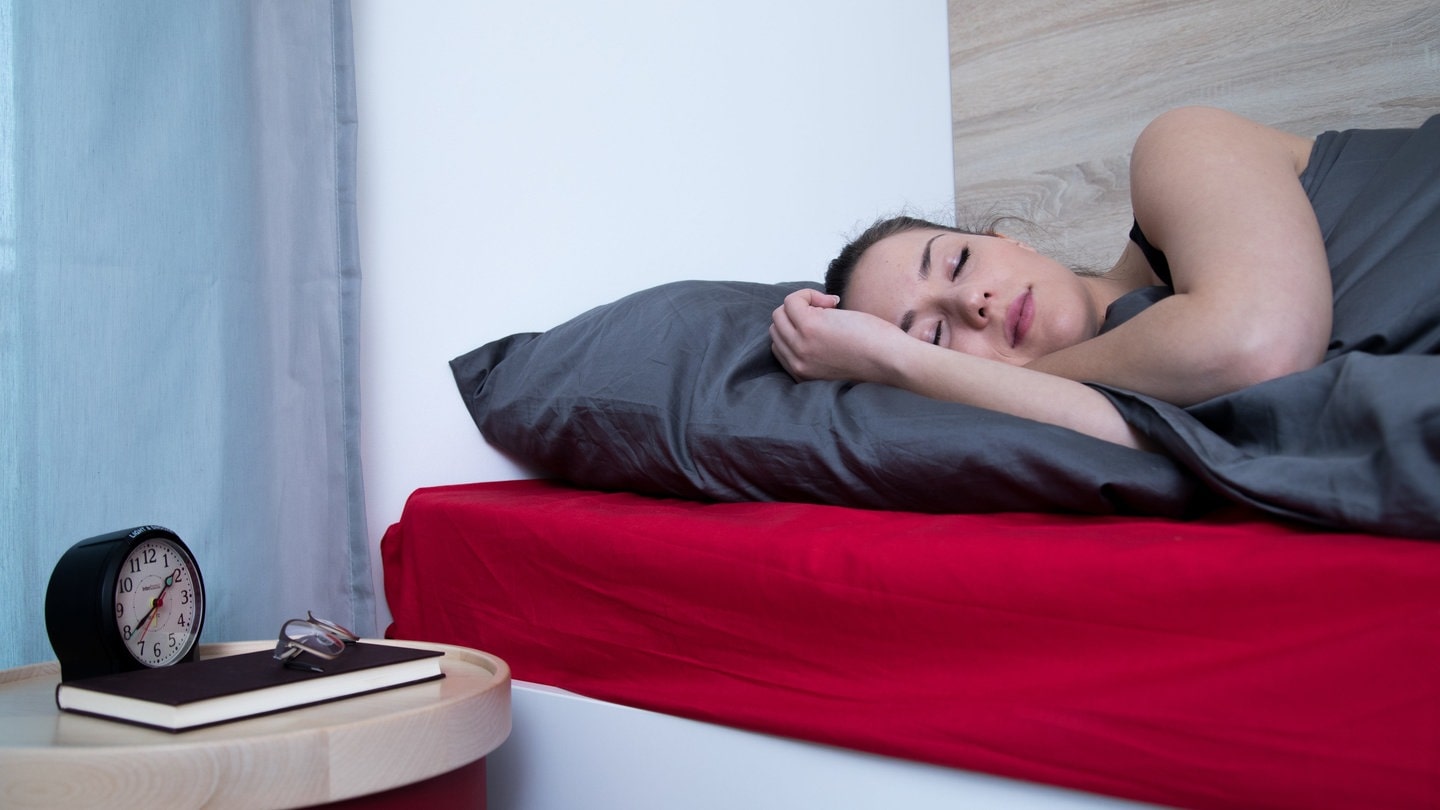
(674,391)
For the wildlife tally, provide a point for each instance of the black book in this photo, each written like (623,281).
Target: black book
(232,687)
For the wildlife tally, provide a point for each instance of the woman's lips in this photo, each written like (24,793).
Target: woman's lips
(1019,316)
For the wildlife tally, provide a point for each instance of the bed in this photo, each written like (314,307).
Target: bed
(1213,626)
(1225,662)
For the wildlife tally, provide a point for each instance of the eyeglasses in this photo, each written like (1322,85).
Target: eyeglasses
(321,638)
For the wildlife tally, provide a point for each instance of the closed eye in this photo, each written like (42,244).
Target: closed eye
(960,265)
(954,274)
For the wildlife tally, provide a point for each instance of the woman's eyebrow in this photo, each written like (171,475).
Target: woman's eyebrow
(925,257)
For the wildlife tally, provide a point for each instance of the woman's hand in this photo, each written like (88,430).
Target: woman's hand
(816,340)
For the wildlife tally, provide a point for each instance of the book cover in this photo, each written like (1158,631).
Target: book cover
(233,687)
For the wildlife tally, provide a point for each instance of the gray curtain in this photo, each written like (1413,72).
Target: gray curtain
(179,276)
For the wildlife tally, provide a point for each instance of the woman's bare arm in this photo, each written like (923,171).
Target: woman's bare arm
(815,340)
(1220,195)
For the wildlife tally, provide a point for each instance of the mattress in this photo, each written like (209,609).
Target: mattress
(1231,662)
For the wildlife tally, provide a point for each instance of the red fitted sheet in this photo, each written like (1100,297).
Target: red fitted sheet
(1225,663)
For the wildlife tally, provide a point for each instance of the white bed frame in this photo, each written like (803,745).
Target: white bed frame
(568,751)
(1062,89)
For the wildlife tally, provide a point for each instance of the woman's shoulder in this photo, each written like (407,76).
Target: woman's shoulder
(1185,134)
(1191,165)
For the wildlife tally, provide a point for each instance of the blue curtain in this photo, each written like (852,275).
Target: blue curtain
(178,266)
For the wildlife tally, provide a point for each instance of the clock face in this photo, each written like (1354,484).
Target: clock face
(159,603)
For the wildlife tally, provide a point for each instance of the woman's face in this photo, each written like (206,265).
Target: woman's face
(988,296)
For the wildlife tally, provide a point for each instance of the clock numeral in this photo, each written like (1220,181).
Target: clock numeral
(134,565)
(127,585)
(151,555)
(119,610)
(157,651)
(127,632)
(185,597)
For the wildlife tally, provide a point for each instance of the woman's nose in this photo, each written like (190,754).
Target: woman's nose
(976,306)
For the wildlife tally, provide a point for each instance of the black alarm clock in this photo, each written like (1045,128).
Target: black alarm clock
(123,601)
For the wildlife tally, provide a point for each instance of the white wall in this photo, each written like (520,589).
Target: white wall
(522,162)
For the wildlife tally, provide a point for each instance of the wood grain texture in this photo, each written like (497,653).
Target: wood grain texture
(297,758)
(1048,96)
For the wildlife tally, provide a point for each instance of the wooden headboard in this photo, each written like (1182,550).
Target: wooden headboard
(1047,96)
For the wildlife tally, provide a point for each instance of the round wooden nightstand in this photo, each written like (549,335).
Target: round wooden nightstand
(424,742)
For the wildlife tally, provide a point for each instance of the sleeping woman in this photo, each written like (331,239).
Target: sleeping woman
(1222,221)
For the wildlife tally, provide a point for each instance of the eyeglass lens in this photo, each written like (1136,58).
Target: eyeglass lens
(314,639)
(344,633)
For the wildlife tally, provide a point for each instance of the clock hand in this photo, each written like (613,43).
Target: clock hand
(155,604)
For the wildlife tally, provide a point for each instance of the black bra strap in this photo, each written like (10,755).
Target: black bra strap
(1154,255)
